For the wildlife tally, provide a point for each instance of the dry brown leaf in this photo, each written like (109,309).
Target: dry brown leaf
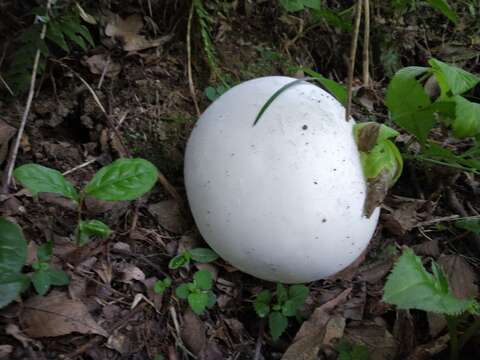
(404,332)
(310,337)
(6,133)
(168,215)
(5,350)
(460,276)
(436,323)
(131,272)
(334,330)
(380,343)
(127,31)
(56,315)
(14,331)
(376,191)
(119,342)
(401,220)
(193,332)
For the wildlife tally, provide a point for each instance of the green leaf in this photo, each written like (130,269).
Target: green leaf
(13,247)
(41,282)
(337,90)
(37,178)
(11,285)
(58,277)
(277,324)
(54,33)
(467,118)
(203,279)
(161,285)
(203,255)
(451,78)
(182,291)
(297,294)
(88,228)
(198,302)
(281,293)
(409,105)
(411,286)
(347,351)
(289,308)
(384,156)
(178,261)
(45,251)
(472,225)
(445,9)
(124,179)
(212,299)
(262,303)
(312,4)
(292,5)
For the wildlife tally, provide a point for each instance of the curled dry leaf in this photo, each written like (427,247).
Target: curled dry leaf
(131,272)
(168,215)
(119,342)
(193,332)
(460,276)
(401,220)
(100,63)
(56,315)
(127,31)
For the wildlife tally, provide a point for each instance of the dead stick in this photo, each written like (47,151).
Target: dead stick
(189,59)
(353,54)
(366,44)
(7,175)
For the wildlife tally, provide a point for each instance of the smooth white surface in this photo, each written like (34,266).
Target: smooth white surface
(281,200)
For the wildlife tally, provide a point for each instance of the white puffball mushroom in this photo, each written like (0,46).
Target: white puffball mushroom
(281,200)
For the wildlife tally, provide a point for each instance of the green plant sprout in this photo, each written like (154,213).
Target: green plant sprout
(63,26)
(200,255)
(124,179)
(214,92)
(411,286)
(199,292)
(13,255)
(161,285)
(286,304)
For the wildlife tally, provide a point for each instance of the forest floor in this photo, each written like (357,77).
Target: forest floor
(149,112)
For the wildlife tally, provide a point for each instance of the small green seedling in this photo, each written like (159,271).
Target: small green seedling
(161,285)
(411,286)
(124,179)
(200,255)
(214,92)
(286,304)
(44,276)
(13,255)
(198,293)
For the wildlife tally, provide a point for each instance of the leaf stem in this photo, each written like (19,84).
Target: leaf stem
(452,329)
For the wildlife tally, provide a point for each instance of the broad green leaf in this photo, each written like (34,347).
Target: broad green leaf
(337,90)
(11,285)
(58,277)
(13,247)
(277,324)
(338,19)
(262,309)
(467,118)
(264,296)
(88,228)
(71,31)
(281,293)
(292,5)
(445,9)
(41,282)
(198,302)
(313,4)
(451,78)
(178,261)
(203,255)
(472,225)
(297,294)
(384,156)
(124,179)
(203,279)
(411,286)
(408,103)
(182,291)
(45,251)
(37,178)
(289,308)
(54,33)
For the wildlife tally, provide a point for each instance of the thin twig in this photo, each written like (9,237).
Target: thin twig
(104,72)
(189,59)
(7,175)
(353,54)
(258,345)
(2,80)
(81,166)
(366,45)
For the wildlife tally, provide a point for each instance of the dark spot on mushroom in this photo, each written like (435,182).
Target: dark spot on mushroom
(307,143)
(316,237)
(232,154)
(324,220)
(315,182)
(334,169)
(304,127)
